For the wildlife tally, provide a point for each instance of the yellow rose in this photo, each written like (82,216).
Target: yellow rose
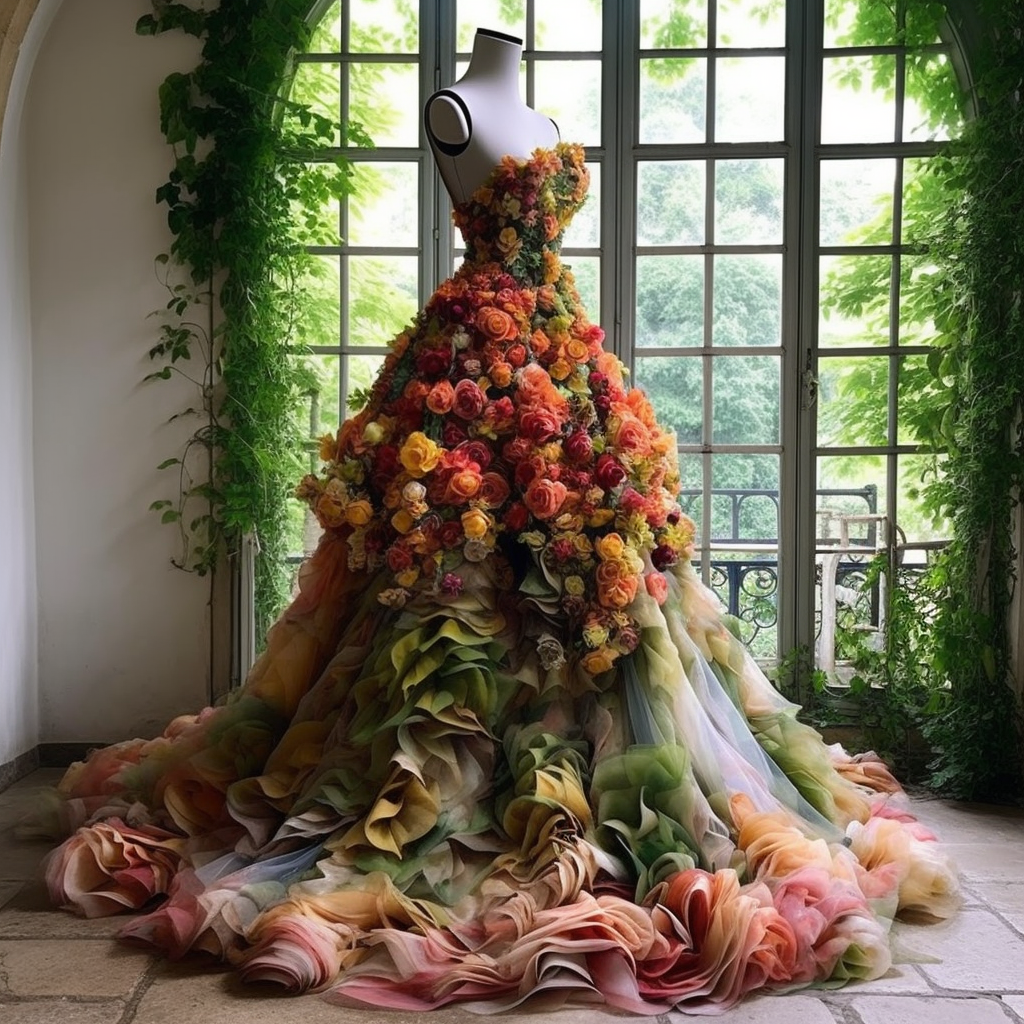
(560,369)
(581,545)
(601,517)
(609,547)
(328,447)
(575,586)
(402,521)
(596,662)
(407,577)
(419,455)
(358,513)
(475,524)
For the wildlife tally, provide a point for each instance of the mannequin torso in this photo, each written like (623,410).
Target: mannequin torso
(482,118)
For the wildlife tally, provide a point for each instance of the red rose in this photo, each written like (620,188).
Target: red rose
(579,446)
(399,558)
(452,434)
(529,469)
(434,361)
(451,534)
(477,452)
(597,381)
(498,414)
(545,497)
(603,405)
(608,473)
(517,449)
(663,556)
(516,355)
(516,517)
(469,400)
(539,425)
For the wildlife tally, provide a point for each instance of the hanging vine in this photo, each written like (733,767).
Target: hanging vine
(241,176)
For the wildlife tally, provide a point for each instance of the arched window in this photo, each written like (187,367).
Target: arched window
(752,247)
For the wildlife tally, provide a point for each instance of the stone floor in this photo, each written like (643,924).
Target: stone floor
(57,969)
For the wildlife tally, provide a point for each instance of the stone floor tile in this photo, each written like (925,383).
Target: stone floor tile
(971,823)
(1006,897)
(764,1010)
(61,1011)
(21,860)
(1015,1003)
(988,862)
(31,915)
(915,1009)
(51,967)
(8,890)
(972,952)
(902,979)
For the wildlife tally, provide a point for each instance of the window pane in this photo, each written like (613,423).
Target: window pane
(850,485)
(383,293)
(915,473)
(492,14)
(748,202)
(920,293)
(750,99)
(740,24)
(567,25)
(920,405)
(324,403)
(748,300)
(673,384)
(747,487)
(745,396)
(327,34)
(855,23)
(585,230)
(384,208)
(380,102)
(853,401)
(669,301)
(383,27)
(857,101)
(320,312)
(318,86)
(854,300)
(587,272)
(932,108)
(576,111)
(670,201)
(666,24)
(856,202)
(362,370)
(673,100)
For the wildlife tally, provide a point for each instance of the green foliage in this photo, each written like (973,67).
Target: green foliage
(245,161)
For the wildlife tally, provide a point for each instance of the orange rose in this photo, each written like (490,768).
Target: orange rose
(462,485)
(596,662)
(616,584)
(577,349)
(545,497)
(494,490)
(610,547)
(441,398)
(629,434)
(496,324)
(500,373)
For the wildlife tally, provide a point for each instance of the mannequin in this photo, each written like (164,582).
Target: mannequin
(482,118)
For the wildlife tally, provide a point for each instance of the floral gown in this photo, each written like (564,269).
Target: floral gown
(502,744)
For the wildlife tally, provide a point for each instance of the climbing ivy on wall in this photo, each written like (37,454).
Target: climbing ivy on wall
(238,198)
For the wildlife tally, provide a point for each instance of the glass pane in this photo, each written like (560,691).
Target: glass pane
(748,202)
(920,402)
(325,402)
(921,295)
(327,34)
(383,293)
(383,27)
(673,100)
(319,225)
(932,108)
(380,102)
(748,300)
(666,24)
(857,101)
(855,23)
(854,299)
(493,14)
(853,401)
(856,202)
(362,371)
(745,397)
(587,272)
(850,485)
(673,384)
(318,86)
(585,230)
(576,111)
(567,25)
(916,473)
(670,202)
(320,310)
(750,99)
(669,301)
(384,209)
(691,475)
(741,24)
(745,497)
(747,584)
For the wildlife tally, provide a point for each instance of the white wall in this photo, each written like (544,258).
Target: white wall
(123,636)
(19,696)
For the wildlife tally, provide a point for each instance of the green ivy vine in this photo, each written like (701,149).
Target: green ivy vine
(239,197)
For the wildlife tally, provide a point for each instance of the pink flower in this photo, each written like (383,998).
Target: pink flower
(297,952)
(545,497)
(469,400)
(109,867)
(657,586)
